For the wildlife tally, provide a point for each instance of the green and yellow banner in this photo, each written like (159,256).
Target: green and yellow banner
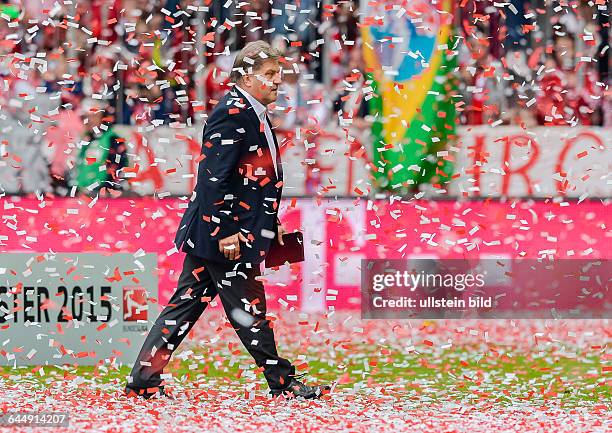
(410,57)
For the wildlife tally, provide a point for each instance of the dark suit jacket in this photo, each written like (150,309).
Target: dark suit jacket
(236,189)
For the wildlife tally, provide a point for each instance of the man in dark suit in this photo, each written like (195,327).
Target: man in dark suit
(227,230)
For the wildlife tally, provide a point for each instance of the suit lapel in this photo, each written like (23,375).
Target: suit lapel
(250,112)
(262,135)
(279,166)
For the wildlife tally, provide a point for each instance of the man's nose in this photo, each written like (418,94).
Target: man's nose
(277,79)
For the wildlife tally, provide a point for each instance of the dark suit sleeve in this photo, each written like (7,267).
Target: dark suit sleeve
(221,149)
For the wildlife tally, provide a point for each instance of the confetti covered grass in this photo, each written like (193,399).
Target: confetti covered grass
(392,376)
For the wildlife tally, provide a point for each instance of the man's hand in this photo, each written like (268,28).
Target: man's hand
(281,232)
(230,246)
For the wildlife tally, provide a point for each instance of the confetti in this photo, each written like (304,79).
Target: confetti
(439,129)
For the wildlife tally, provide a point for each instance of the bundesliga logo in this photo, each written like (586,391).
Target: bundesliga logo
(134,304)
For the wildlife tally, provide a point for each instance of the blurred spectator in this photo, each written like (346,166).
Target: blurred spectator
(22,138)
(481,85)
(343,37)
(255,17)
(294,21)
(217,79)
(562,98)
(350,104)
(101,152)
(290,110)
(62,137)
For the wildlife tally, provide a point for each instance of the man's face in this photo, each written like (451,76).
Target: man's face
(263,83)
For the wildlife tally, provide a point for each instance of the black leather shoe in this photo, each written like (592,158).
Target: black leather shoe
(300,389)
(160,393)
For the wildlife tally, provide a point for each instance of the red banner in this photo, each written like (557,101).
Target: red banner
(337,235)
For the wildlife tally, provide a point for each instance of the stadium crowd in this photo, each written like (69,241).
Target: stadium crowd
(166,62)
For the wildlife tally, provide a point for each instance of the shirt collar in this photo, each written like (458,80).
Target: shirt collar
(257,106)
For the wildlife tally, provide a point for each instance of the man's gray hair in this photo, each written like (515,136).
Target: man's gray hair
(251,58)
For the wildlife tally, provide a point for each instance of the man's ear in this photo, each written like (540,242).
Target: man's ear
(247,80)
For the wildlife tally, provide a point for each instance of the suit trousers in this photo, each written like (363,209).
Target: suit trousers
(244,302)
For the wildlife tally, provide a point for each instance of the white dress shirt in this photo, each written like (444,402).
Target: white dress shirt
(260,110)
